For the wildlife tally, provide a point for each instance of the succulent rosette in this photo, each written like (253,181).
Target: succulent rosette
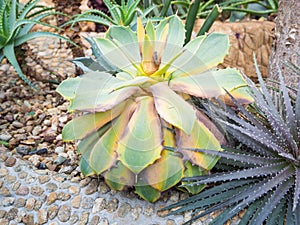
(130,116)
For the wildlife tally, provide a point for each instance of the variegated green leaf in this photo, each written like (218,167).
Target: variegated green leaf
(105,148)
(193,171)
(85,146)
(118,177)
(175,38)
(141,144)
(202,138)
(209,54)
(172,108)
(126,40)
(82,126)
(116,55)
(211,84)
(95,93)
(146,192)
(165,172)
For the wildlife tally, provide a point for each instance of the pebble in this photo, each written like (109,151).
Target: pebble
(16,185)
(52,197)
(87,203)
(30,179)
(23,150)
(22,190)
(74,190)
(5,137)
(36,130)
(17,124)
(76,201)
(59,150)
(10,161)
(43,179)
(42,216)
(11,214)
(36,190)
(99,205)
(84,218)
(28,219)
(7,201)
(35,160)
(112,205)
(124,209)
(94,220)
(92,187)
(3,172)
(30,203)
(63,196)
(73,219)
(64,213)
(52,211)
(4,191)
(20,202)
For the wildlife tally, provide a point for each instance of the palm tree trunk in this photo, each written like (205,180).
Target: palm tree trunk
(287,42)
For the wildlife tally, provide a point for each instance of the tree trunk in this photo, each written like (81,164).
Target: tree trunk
(70,8)
(287,42)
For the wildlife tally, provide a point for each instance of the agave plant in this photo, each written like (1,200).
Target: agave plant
(16,21)
(130,116)
(263,177)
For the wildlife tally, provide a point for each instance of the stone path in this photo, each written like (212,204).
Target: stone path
(32,196)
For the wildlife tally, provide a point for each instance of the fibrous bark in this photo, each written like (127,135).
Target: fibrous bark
(286,47)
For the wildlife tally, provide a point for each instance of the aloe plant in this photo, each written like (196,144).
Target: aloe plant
(124,14)
(16,21)
(132,115)
(262,178)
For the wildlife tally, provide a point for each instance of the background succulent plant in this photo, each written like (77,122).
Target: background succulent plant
(263,176)
(132,115)
(16,22)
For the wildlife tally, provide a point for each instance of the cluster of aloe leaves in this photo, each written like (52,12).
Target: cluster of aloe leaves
(263,176)
(16,22)
(140,103)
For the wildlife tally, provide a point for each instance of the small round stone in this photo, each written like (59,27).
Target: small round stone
(36,191)
(124,209)
(91,187)
(73,219)
(20,202)
(51,187)
(94,220)
(52,197)
(64,213)
(42,216)
(74,190)
(12,214)
(10,161)
(63,196)
(43,179)
(30,203)
(84,218)
(99,205)
(112,205)
(4,191)
(28,219)
(3,172)
(7,201)
(76,201)
(87,203)
(52,211)
(22,190)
